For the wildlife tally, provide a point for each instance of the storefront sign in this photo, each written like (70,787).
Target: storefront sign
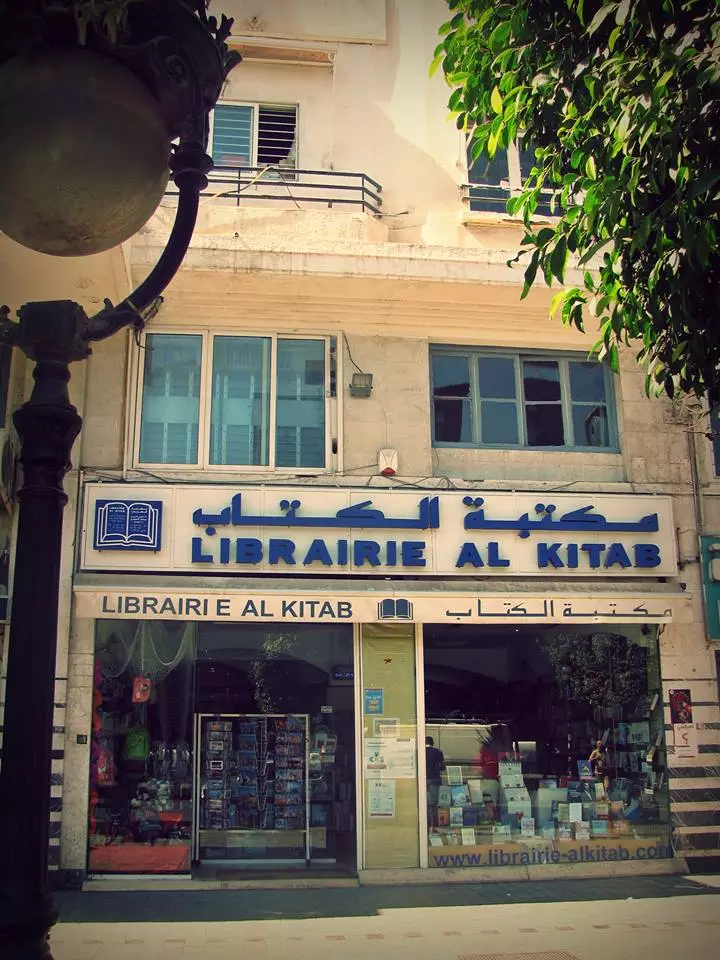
(325,607)
(356,532)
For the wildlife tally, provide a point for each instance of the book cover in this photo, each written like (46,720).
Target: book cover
(548,831)
(468,836)
(575,812)
(527,827)
(475,788)
(599,828)
(585,770)
(444,797)
(460,795)
(454,776)
(565,831)
(582,830)
(456,816)
(602,811)
(435,840)
(470,816)
(500,831)
(443,816)
(563,812)
(574,791)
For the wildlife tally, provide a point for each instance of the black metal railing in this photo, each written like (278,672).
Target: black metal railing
(492,198)
(328,187)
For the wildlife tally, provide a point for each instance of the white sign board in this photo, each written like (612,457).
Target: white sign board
(367,531)
(343,606)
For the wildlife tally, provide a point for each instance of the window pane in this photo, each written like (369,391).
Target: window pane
(300,433)
(239,420)
(489,182)
(453,421)
(590,426)
(715,434)
(451,376)
(541,380)
(232,135)
(587,382)
(170,399)
(497,377)
(544,425)
(499,422)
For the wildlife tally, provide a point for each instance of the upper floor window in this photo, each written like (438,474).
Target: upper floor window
(713,398)
(254,135)
(213,400)
(487,399)
(493,182)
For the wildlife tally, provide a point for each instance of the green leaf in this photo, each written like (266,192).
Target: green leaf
(599,18)
(622,11)
(590,168)
(530,274)
(558,259)
(703,184)
(496,100)
(499,37)
(557,301)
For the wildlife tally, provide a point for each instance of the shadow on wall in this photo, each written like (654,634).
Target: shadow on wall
(399,97)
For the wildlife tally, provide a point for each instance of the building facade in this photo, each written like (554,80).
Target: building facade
(347,492)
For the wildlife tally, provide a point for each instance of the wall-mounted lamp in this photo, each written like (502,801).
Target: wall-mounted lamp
(361,384)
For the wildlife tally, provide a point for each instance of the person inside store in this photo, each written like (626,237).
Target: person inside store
(434,766)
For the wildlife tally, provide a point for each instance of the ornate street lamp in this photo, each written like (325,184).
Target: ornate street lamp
(97,111)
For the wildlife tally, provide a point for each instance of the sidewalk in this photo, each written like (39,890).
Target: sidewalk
(662,918)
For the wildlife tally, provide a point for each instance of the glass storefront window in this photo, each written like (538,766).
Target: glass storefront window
(547,746)
(140,762)
(221,742)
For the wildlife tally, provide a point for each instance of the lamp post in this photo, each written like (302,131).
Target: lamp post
(92,124)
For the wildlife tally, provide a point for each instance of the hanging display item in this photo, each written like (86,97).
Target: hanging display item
(141,689)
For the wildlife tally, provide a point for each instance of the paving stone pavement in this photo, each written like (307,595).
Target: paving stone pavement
(684,922)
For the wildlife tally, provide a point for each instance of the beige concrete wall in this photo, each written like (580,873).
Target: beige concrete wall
(363,21)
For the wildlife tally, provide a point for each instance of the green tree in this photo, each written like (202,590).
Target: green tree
(621,101)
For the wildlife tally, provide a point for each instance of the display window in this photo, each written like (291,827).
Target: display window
(221,744)
(544,745)
(140,809)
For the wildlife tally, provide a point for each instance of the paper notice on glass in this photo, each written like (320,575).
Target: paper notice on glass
(393,757)
(686,739)
(376,763)
(381,797)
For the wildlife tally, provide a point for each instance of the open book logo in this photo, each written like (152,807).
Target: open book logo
(128,524)
(395,610)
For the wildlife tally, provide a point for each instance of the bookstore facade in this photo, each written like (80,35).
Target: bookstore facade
(428,679)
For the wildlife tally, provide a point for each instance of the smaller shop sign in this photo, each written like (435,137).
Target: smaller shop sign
(435,607)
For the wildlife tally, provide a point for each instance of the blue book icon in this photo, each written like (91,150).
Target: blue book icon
(128,524)
(390,609)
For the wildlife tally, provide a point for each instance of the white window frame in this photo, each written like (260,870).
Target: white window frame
(256,105)
(472,354)
(205,404)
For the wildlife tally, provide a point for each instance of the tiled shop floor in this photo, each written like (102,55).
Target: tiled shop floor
(663,928)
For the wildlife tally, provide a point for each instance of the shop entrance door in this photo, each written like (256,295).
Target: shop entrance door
(251,797)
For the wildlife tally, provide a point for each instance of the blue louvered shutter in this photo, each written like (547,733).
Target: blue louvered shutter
(232,135)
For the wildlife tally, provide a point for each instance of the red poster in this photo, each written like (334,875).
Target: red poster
(680,706)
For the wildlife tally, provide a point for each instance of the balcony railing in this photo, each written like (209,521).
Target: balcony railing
(492,198)
(327,187)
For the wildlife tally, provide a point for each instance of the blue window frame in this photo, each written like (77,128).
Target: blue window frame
(482,398)
(215,400)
